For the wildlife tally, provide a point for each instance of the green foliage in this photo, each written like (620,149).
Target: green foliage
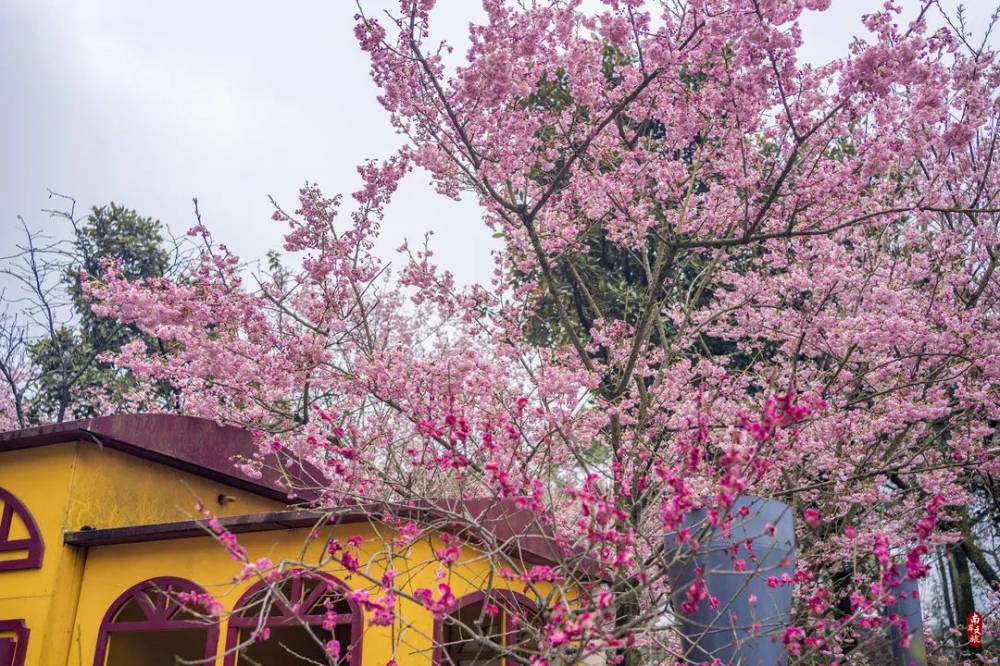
(119,233)
(66,365)
(72,376)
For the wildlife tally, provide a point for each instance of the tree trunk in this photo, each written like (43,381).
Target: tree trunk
(626,612)
(946,595)
(962,590)
(975,555)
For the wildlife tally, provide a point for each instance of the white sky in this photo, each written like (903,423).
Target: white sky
(229,102)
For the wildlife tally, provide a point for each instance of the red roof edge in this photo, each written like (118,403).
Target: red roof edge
(503,524)
(189,443)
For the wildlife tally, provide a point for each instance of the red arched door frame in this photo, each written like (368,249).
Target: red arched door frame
(508,599)
(160,614)
(288,617)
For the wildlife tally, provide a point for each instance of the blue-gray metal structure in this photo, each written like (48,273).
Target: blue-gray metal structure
(907,606)
(748,626)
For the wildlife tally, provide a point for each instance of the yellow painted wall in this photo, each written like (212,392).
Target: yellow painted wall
(67,486)
(113,569)
(40,478)
(115,489)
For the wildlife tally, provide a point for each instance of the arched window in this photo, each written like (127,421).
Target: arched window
(292,621)
(482,627)
(13,642)
(147,626)
(21,544)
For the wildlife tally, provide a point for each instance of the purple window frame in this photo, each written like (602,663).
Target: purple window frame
(18,648)
(290,618)
(509,637)
(158,617)
(33,543)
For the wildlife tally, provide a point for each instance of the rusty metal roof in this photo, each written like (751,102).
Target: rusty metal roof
(196,445)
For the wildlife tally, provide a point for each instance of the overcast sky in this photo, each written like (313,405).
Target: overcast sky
(149,104)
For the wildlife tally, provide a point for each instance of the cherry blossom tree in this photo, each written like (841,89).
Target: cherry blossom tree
(725,271)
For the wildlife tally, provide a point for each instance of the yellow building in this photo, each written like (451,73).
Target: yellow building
(101,548)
